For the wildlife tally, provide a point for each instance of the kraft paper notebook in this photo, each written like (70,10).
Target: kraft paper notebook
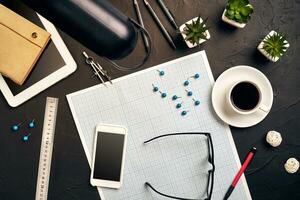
(21,44)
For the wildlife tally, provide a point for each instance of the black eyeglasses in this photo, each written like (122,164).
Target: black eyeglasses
(210,181)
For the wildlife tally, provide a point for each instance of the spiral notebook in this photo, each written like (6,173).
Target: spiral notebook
(175,165)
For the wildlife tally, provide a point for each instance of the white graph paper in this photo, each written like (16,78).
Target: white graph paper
(175,165)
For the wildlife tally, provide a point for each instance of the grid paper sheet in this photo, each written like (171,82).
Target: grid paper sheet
(175,165)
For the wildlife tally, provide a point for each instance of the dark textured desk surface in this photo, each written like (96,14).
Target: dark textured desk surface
(228,47)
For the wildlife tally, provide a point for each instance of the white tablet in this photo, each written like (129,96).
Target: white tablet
(55,64)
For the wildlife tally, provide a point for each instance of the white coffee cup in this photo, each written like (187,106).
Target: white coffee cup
(259,107)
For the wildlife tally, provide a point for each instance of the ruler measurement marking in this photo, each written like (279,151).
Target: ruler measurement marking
(46,149)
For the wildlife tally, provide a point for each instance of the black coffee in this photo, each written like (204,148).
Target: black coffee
(245,96)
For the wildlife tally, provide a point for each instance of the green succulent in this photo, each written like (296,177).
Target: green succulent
(275,45)
(195,31)
(239,10)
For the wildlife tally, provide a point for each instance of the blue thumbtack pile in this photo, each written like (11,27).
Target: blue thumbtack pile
(16,127)
(189,93)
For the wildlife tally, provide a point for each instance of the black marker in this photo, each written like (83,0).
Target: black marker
(162,28)
(167,13)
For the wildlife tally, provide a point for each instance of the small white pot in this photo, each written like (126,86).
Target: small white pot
(188,43)
(232,22)
(268,56)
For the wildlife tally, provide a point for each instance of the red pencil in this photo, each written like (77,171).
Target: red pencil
(241,171)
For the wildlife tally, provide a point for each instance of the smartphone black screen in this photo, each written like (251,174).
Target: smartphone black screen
(108,158)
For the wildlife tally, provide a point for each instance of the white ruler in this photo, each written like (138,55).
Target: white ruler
(46,149)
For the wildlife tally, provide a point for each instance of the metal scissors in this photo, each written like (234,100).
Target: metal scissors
(98,69)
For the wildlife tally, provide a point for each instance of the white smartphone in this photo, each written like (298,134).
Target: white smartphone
(108,156)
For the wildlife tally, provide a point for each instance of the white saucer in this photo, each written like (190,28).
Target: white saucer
(226,80)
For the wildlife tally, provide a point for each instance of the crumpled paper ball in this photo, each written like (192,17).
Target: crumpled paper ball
(291,165)
(274,138)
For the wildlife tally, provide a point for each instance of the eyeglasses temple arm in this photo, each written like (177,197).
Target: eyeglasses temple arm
(171,134)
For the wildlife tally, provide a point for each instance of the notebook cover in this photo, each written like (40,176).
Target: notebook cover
(21,44)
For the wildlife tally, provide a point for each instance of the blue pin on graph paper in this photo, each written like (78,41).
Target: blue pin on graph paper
(175,97)
(179,105)
(155,88)
(163,94)
(196,102)
(196,76)
(183,113)
(186,83)
(161,72)
(189,93)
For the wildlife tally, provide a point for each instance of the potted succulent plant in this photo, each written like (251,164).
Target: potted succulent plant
(194,32)
(273,46)
(237,13)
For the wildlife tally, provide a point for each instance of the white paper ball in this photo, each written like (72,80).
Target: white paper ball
(274,138)
(291,165)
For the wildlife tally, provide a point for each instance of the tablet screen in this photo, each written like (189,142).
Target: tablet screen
(50,60)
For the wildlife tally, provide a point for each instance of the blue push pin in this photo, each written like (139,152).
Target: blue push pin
(31,124)
(186,83)
(175,97)
(183,113)
(161,73)
(25,138)
(179,105)
(196,102)
(196,76)
(15,127)
(163,94)
(189,93)
(155,88)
